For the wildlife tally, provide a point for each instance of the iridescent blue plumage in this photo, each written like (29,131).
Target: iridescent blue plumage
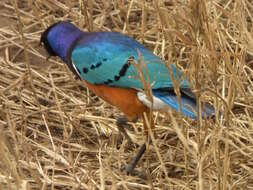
(104,58)
(188,103)
(60,42)
(113,50)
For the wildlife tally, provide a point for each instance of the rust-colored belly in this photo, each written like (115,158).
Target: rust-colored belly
(123,98)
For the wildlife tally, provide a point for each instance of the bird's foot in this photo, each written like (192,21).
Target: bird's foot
(130,168)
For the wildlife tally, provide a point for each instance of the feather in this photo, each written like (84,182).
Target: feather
(110,58)
(189,104)
(112,51)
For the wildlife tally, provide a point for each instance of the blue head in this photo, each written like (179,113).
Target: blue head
(59,38)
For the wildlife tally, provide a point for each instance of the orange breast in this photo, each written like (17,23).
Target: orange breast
(123,98)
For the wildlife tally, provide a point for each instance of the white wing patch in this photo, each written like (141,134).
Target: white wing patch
(157,103)
(76,69)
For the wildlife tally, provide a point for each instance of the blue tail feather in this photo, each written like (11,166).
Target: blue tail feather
(189,104)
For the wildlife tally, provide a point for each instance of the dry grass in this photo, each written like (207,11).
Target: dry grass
(55,134)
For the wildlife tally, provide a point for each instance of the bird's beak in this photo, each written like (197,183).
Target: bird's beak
(40,44)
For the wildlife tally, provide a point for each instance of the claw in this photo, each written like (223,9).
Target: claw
(128,168)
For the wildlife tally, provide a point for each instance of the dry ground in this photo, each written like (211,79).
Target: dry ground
(55,134)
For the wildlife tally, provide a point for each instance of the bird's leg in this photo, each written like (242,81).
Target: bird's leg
(130,168)
(121,123)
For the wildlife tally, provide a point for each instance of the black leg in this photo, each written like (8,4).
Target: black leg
(130,168)
(121,123)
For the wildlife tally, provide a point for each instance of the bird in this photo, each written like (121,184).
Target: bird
(116,67)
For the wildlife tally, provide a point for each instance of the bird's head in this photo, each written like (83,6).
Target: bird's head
(59,38)
(44,40)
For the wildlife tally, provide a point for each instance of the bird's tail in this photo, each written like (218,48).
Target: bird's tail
(188,102)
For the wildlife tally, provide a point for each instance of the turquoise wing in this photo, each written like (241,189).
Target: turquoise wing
(104,61)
